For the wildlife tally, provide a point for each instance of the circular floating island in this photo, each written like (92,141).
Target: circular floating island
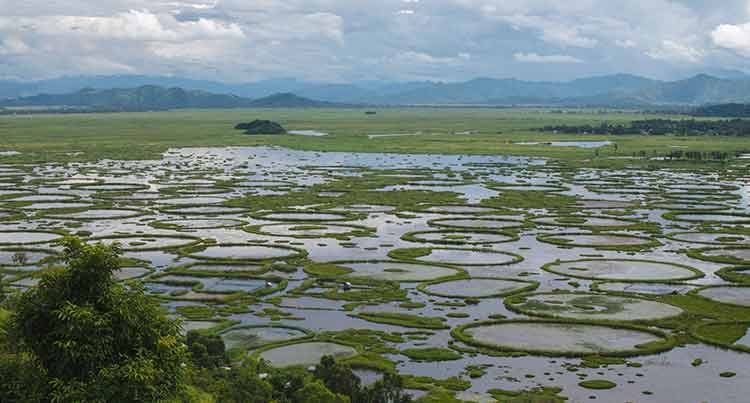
(264,184)
(95,214)
(591,307)
(625,270)
(28,237)
(131,272)
(203,210)
(460,209)
(675,205)
(564,338)
(727,294)
(459,237)
(191,201)
(599,241)
(111,187)
(527,187)
(147,242)
(604,204)
(311,231)
(190,224)
(364,208)
(383,270)
(56,206)
(242,252)
(709,218)
(711,238)
(584,221)
(305,216)
(54,197)
(305,354)
(478,287)
(642,288)
(20,257)
(730,255)
(475,223)
(251,337)
(457,256)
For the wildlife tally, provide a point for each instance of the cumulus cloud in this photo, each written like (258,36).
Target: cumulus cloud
(552,31)
(549,59)
(733,37)
(338,40)
(131,25)
(425,58)
(673,51)
(13,46)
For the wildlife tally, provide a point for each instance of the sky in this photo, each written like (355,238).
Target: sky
(355,40)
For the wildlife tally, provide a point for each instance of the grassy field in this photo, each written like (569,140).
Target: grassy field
(431,130)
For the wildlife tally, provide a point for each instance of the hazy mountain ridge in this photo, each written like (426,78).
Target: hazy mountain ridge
(614,90)
(151,97)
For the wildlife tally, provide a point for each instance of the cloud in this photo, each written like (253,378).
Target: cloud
(733,37)
(426,58)
(131,25)
(13,46)
(551,31)
(340,40)
(548,59)
(676,52)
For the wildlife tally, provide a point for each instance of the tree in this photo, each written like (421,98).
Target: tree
(94,339)
(316,392)
(208,351)
(390,389)
(243,385)
(338,377)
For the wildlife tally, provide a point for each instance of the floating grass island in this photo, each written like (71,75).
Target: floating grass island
(623,270)
(557,338)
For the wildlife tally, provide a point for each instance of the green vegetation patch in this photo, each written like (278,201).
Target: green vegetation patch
(598,384)
(737,274)
(431,354)
(535,395)
(724,334)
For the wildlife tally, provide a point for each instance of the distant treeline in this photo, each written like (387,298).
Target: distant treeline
(723,110)
(658,127)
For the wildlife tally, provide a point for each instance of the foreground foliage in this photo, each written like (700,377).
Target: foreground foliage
(80,336)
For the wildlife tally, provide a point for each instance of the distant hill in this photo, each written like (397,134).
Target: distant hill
(289,100)
(490,90)
(699,90)
(151,98)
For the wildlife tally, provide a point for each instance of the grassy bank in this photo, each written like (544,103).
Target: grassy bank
(421,130)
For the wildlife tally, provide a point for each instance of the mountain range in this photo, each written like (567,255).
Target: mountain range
(151,97)
(621,90)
